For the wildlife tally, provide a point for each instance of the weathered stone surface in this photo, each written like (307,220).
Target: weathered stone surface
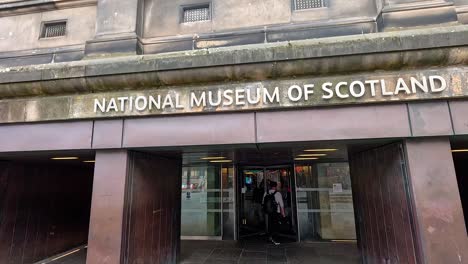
(70,88)
(25,60)
(381,51)
(116,24)
(69,56)
(47,108)
(229,40)
(414,13)
(81,106)
(12,110)
(41,56)
(252,72)
(21,32)
(161,46)
(73,71)
(123,65)
(309,31)
(20,76)
(112,46)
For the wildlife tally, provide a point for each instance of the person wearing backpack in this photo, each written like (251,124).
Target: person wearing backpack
(273,206)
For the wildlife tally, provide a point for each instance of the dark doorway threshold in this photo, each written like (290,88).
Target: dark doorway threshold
(261,252)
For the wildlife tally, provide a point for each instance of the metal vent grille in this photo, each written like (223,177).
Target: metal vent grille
(308,4)
(198,13)
(54,29)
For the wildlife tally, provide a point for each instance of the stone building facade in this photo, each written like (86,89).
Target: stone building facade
(150,105)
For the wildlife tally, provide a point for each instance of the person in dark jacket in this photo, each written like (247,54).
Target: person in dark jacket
(274,217)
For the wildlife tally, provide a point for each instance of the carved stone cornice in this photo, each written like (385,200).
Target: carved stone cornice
(65,91)
(388,51)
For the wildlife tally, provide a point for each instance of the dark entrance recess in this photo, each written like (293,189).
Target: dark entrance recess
(44,209)
(253,184)
(461,166)
(384,219)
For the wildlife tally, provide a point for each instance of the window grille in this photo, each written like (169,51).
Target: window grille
(196,13)
(308,4)
(54,29)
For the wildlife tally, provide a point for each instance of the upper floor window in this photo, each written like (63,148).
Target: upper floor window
(53,29)
(196,13)
(308,4)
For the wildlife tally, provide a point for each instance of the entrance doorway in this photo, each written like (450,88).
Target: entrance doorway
(253,183)
(45,202)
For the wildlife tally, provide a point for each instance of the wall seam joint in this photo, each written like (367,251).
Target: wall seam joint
(409,120)
(122,133)
(255,128)
(451,117)
(92,134)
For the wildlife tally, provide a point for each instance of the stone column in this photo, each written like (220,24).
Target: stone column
(116,26)
(107,207)
(436,201)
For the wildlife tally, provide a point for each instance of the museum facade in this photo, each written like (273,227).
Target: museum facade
(127,127)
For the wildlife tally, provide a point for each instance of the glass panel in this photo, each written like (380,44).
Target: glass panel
(201,201)
(254,183)
(251,196)
(229,209)
(325,204)
(282,176)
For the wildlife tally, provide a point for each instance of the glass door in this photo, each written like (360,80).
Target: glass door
(284,178)
(254,182)
(252,189)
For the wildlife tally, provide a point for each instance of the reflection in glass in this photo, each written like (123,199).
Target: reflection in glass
(208,202)
(254,183)
(229,209)
(325,202)
(201,201)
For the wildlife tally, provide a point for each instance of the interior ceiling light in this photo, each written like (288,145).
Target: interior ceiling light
(220,161)
(213,158)
(306,158)
(320,150)
(89,161)
(459,150)
(312,155)
(64,158)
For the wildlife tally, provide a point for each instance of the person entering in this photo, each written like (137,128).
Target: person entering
(273,206)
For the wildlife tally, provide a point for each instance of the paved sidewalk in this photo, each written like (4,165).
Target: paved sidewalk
(259,252)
